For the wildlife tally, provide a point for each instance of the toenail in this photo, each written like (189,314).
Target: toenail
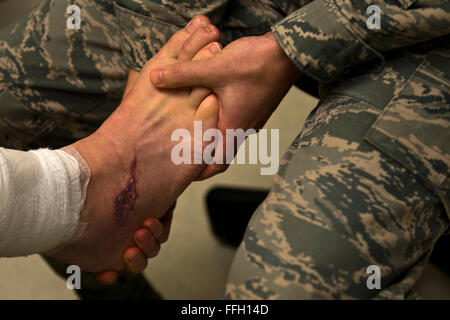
(189,27)
(215,47)
(193,25)
(210,29)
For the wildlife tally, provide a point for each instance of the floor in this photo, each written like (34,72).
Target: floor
(193,264)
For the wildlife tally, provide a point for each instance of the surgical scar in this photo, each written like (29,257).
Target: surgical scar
(126,200)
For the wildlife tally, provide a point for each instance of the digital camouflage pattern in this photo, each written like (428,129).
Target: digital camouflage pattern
(328,37)
(145,25)
(58,85)
(366,181)
(362,185)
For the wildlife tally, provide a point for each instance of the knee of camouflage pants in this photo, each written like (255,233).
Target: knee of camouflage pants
(338,206)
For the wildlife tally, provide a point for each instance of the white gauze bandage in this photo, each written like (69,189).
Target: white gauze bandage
(42,193)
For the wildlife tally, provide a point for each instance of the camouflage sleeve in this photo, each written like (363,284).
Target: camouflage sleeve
(326,37)
(146,25)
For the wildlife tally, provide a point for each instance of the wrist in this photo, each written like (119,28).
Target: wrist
(285,63)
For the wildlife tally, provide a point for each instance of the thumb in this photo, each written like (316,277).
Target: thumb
(187,74)
(208,112)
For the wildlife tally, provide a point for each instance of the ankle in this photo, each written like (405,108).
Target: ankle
(109,170)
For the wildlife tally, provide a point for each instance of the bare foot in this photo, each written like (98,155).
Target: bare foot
(132,174)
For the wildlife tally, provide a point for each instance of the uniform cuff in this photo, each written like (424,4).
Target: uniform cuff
(317,40)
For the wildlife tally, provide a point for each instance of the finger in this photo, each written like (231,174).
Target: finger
(156,227)
(107,277)
(187,74)
(198,40)
(135,261)
(160,228)
(147,242)
(199,93)
(173,47)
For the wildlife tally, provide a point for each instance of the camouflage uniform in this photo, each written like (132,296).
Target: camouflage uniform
(365,182)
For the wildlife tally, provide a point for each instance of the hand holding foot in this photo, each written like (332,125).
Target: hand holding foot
(250,78)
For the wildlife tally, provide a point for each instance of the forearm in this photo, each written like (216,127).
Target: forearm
(291,71)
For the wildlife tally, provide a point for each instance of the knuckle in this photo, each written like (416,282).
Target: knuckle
(177,72)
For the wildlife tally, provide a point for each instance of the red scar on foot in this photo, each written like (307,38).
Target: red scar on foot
(126,200)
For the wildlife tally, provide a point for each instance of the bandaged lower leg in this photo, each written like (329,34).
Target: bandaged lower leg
(42,193)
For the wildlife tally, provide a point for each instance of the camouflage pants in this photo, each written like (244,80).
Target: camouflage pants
(365,183)
(57,86)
